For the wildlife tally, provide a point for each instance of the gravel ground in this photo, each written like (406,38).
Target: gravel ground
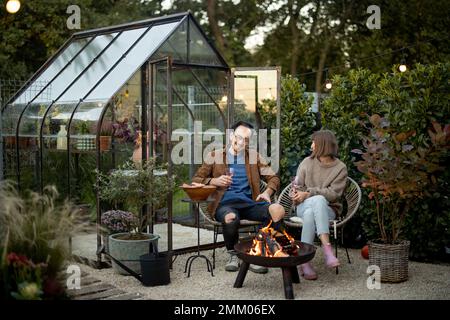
(426,281)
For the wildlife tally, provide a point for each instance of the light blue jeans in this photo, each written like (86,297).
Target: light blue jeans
(316,215)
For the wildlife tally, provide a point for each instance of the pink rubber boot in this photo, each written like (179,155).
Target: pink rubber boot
(330,260)
(307,271)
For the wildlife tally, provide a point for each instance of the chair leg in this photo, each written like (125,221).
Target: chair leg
(215,235)
(342,243)
(336,251)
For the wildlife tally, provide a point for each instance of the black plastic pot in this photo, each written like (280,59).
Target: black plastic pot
(155,269)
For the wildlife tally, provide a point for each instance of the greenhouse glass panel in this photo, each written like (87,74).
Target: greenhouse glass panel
(83,130)
(101,66)
(200,51)
(126,121)
(132,61)
(10,118)
(109,154)
(175,46)
(55,66)
(63,80)
(29,156)
(253,89)
(54,148)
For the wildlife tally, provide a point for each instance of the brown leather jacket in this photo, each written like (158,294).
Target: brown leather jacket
(214,169)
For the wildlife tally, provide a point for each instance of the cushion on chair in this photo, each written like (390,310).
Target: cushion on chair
(296,219)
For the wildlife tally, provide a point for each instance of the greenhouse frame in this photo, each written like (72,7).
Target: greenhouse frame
(84,109)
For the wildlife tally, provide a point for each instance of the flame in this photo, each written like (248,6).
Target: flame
(265,243)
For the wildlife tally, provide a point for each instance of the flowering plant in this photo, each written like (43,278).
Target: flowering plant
(117,221)
(126,130)
(26,275)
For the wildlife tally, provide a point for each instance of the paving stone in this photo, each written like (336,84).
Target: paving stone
(128,296)
(89,289)
(100,295)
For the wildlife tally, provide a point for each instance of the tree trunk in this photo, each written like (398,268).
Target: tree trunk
(215,29)
(295,41)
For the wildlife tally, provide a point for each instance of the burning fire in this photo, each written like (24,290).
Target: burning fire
(268,244)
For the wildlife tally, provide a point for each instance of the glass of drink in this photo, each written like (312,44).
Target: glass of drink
(294,187)
(230,173)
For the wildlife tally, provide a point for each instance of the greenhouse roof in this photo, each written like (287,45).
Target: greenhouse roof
(94,64)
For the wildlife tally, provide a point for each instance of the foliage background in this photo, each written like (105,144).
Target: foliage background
(410,101)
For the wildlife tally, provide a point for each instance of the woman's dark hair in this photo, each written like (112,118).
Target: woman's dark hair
(241,123)
(325,144)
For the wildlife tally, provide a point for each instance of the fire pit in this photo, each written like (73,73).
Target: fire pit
(289,255)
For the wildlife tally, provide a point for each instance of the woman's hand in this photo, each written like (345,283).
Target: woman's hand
(299,196)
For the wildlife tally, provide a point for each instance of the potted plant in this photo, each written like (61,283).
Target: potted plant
(131,187)
(105,136)
(116,221)
(126,130)
(397,174)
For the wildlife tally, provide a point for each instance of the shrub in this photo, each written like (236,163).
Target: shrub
(388,161)
(297,124)
(133,186)
(409,101)
(34,234)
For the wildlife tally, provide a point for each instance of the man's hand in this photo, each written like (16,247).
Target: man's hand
(300,196)
(222,181)
(264,196)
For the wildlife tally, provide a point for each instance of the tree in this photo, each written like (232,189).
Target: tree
(227,23)
(35,33)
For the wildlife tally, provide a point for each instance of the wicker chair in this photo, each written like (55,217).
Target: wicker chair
(218,225)
(352,195)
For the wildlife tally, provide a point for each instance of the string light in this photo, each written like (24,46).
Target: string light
(127,93)
(404,67)
(328,84)
(12,6)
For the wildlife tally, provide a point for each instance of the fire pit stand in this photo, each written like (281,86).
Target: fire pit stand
(288,265)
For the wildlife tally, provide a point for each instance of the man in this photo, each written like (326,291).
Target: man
(238,196)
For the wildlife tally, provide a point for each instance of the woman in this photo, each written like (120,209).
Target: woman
(321,180)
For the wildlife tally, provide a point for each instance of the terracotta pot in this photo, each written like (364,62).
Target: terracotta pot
(105,143)
(24,142)
(10,141)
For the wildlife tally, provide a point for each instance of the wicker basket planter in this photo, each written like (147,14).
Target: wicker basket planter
(392,260)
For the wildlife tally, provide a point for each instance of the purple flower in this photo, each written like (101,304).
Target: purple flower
(117,221)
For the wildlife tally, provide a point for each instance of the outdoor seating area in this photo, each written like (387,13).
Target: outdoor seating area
(426,282)
(216,151)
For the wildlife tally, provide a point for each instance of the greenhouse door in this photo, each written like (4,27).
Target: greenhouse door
(253,91)
(159,119)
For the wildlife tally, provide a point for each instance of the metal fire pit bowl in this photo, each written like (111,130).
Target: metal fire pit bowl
(288,265)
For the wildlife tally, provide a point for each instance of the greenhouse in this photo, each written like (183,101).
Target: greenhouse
(86,107)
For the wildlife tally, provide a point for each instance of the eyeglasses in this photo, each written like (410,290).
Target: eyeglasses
(240,138)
